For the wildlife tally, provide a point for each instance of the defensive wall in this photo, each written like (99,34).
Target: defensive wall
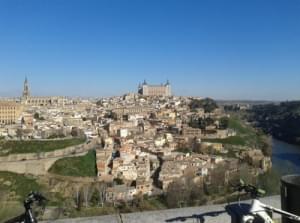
(39,163)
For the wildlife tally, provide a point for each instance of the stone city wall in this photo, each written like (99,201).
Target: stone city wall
(39,163)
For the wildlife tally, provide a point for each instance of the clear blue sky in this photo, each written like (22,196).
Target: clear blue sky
(243,49)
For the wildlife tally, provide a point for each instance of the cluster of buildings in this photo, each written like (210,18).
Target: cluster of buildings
(143,142)
(11,109)
(31,117)
(142,136)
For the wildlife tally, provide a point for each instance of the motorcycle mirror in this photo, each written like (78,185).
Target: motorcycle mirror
(261,192)
(242,183)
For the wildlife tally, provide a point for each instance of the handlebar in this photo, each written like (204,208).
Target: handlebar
(28,216)
(255,193)
(34,197)
(249,189)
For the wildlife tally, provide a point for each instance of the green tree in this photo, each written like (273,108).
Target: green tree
(223,123)
(36,116)
(118,181)
(270,182)
(185,191)
(280,120)
(201,123)
(208,104)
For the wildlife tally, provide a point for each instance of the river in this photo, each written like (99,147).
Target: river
(286,157)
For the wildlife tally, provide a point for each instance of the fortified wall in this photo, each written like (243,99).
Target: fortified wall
(39,163)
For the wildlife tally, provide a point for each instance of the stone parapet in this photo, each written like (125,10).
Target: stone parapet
(223,213)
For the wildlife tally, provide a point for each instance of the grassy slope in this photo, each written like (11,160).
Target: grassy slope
(10,210)
(83,166)
(14,147)
(270,181)
(19,184)
(14,187)
(233,140)
(246,135)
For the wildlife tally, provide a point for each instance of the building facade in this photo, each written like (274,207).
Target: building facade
(131,110)
(10,112)
(27,99)
(155,90)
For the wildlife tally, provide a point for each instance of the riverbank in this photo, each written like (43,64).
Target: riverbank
(285,157)
(285,160)
(279,120)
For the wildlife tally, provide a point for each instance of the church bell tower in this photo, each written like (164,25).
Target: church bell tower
(26,92)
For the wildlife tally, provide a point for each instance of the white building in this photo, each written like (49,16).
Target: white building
(155,90)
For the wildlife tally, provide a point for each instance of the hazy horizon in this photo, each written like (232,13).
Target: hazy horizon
(18,94)
(14,93)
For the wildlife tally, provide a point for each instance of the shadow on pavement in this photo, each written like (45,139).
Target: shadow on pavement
(199,218)
(236,211)
(16,219)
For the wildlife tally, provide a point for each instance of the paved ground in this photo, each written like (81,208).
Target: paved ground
(205,214)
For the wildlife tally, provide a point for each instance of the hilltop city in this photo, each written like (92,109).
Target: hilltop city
(148,143)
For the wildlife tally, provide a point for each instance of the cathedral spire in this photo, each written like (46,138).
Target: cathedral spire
(26,92)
